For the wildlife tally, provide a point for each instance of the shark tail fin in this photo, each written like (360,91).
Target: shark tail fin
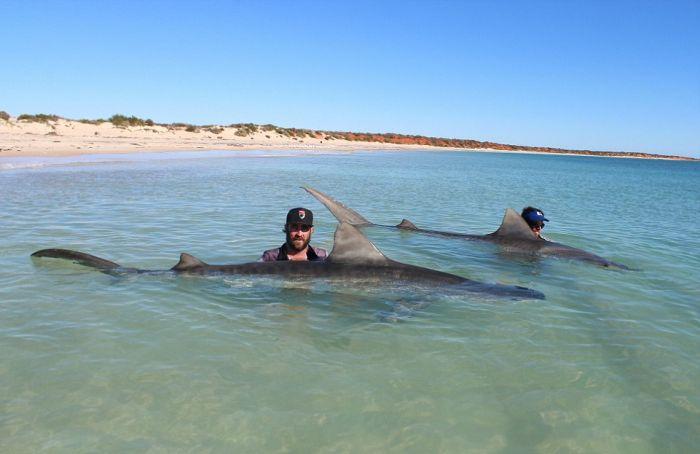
(80,258)
(340,211)
(187,262)
(514,226)
(351,246)
(406,225)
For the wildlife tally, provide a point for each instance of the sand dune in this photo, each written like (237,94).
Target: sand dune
(55,136)
(69,137)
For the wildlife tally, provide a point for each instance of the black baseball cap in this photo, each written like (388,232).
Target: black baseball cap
(300,215)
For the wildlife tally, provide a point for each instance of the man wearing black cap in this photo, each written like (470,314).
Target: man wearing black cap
(535,219)
(298,228)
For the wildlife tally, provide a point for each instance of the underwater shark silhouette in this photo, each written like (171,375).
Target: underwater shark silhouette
(353,258)
(514,235)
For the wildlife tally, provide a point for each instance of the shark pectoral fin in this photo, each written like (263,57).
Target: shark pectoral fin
(337,209)
(406,225)
(351,246)
(514,226)
(187,262)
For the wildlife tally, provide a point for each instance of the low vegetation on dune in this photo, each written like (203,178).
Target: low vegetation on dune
(244,129)
(123,121)
(39,118)
(297,134)
(180,126)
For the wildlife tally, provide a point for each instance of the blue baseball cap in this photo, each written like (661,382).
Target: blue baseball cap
(535,216)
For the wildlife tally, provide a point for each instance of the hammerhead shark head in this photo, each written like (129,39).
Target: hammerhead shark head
(514,235)
(353,257)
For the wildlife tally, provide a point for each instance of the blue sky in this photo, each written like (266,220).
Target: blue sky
(600,75)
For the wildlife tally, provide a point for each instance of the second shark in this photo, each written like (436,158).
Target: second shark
(513,235)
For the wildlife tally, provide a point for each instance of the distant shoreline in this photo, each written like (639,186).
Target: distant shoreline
(50,135)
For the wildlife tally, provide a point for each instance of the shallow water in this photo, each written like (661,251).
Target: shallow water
(607,363)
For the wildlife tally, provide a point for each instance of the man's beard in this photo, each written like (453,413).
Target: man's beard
(297,242)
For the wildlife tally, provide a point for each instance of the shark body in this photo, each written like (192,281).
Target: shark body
(514,235)
(353,257)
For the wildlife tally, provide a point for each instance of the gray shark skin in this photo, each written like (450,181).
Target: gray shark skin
(514,235)
(353,257)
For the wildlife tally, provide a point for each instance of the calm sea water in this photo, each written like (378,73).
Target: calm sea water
(607,363)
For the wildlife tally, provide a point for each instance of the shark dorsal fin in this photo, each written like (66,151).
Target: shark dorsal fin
(514,226)
(340,211)
(351,246)
(407,225)
(187,262)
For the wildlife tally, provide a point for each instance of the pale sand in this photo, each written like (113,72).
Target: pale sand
(69,138)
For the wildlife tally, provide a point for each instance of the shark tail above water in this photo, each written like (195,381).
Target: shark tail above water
(80,258)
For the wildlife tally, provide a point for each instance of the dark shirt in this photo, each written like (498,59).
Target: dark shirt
(280,253)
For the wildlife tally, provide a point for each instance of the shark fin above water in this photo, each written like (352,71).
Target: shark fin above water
(514,226)
(187,262)
(351,246)
(406,225)
(340,211)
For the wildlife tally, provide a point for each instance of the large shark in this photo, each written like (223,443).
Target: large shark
(353,258)
(514,235)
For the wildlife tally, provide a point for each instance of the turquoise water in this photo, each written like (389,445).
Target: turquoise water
(607,363)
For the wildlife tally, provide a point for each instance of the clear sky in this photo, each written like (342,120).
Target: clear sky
(601,75)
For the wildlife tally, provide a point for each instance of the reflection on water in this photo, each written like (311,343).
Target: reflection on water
(163,362)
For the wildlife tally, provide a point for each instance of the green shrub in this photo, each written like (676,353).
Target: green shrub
(282,131)
(92,122)
(191,128)
(215,130)
(4,115)
(244,129)
(123,121)
(39,118)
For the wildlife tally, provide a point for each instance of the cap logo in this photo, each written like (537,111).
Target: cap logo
(302,214)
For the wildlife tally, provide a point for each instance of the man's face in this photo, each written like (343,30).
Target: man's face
(298,236)
(537,228)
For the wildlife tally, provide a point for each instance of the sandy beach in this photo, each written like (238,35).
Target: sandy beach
(64,137)
(69,138)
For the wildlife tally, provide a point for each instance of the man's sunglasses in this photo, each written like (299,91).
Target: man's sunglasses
(303,228)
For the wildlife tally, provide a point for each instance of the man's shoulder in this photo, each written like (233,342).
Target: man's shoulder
(320,252)
(270,255)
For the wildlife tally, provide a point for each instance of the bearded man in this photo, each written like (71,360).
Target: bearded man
(298,229)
